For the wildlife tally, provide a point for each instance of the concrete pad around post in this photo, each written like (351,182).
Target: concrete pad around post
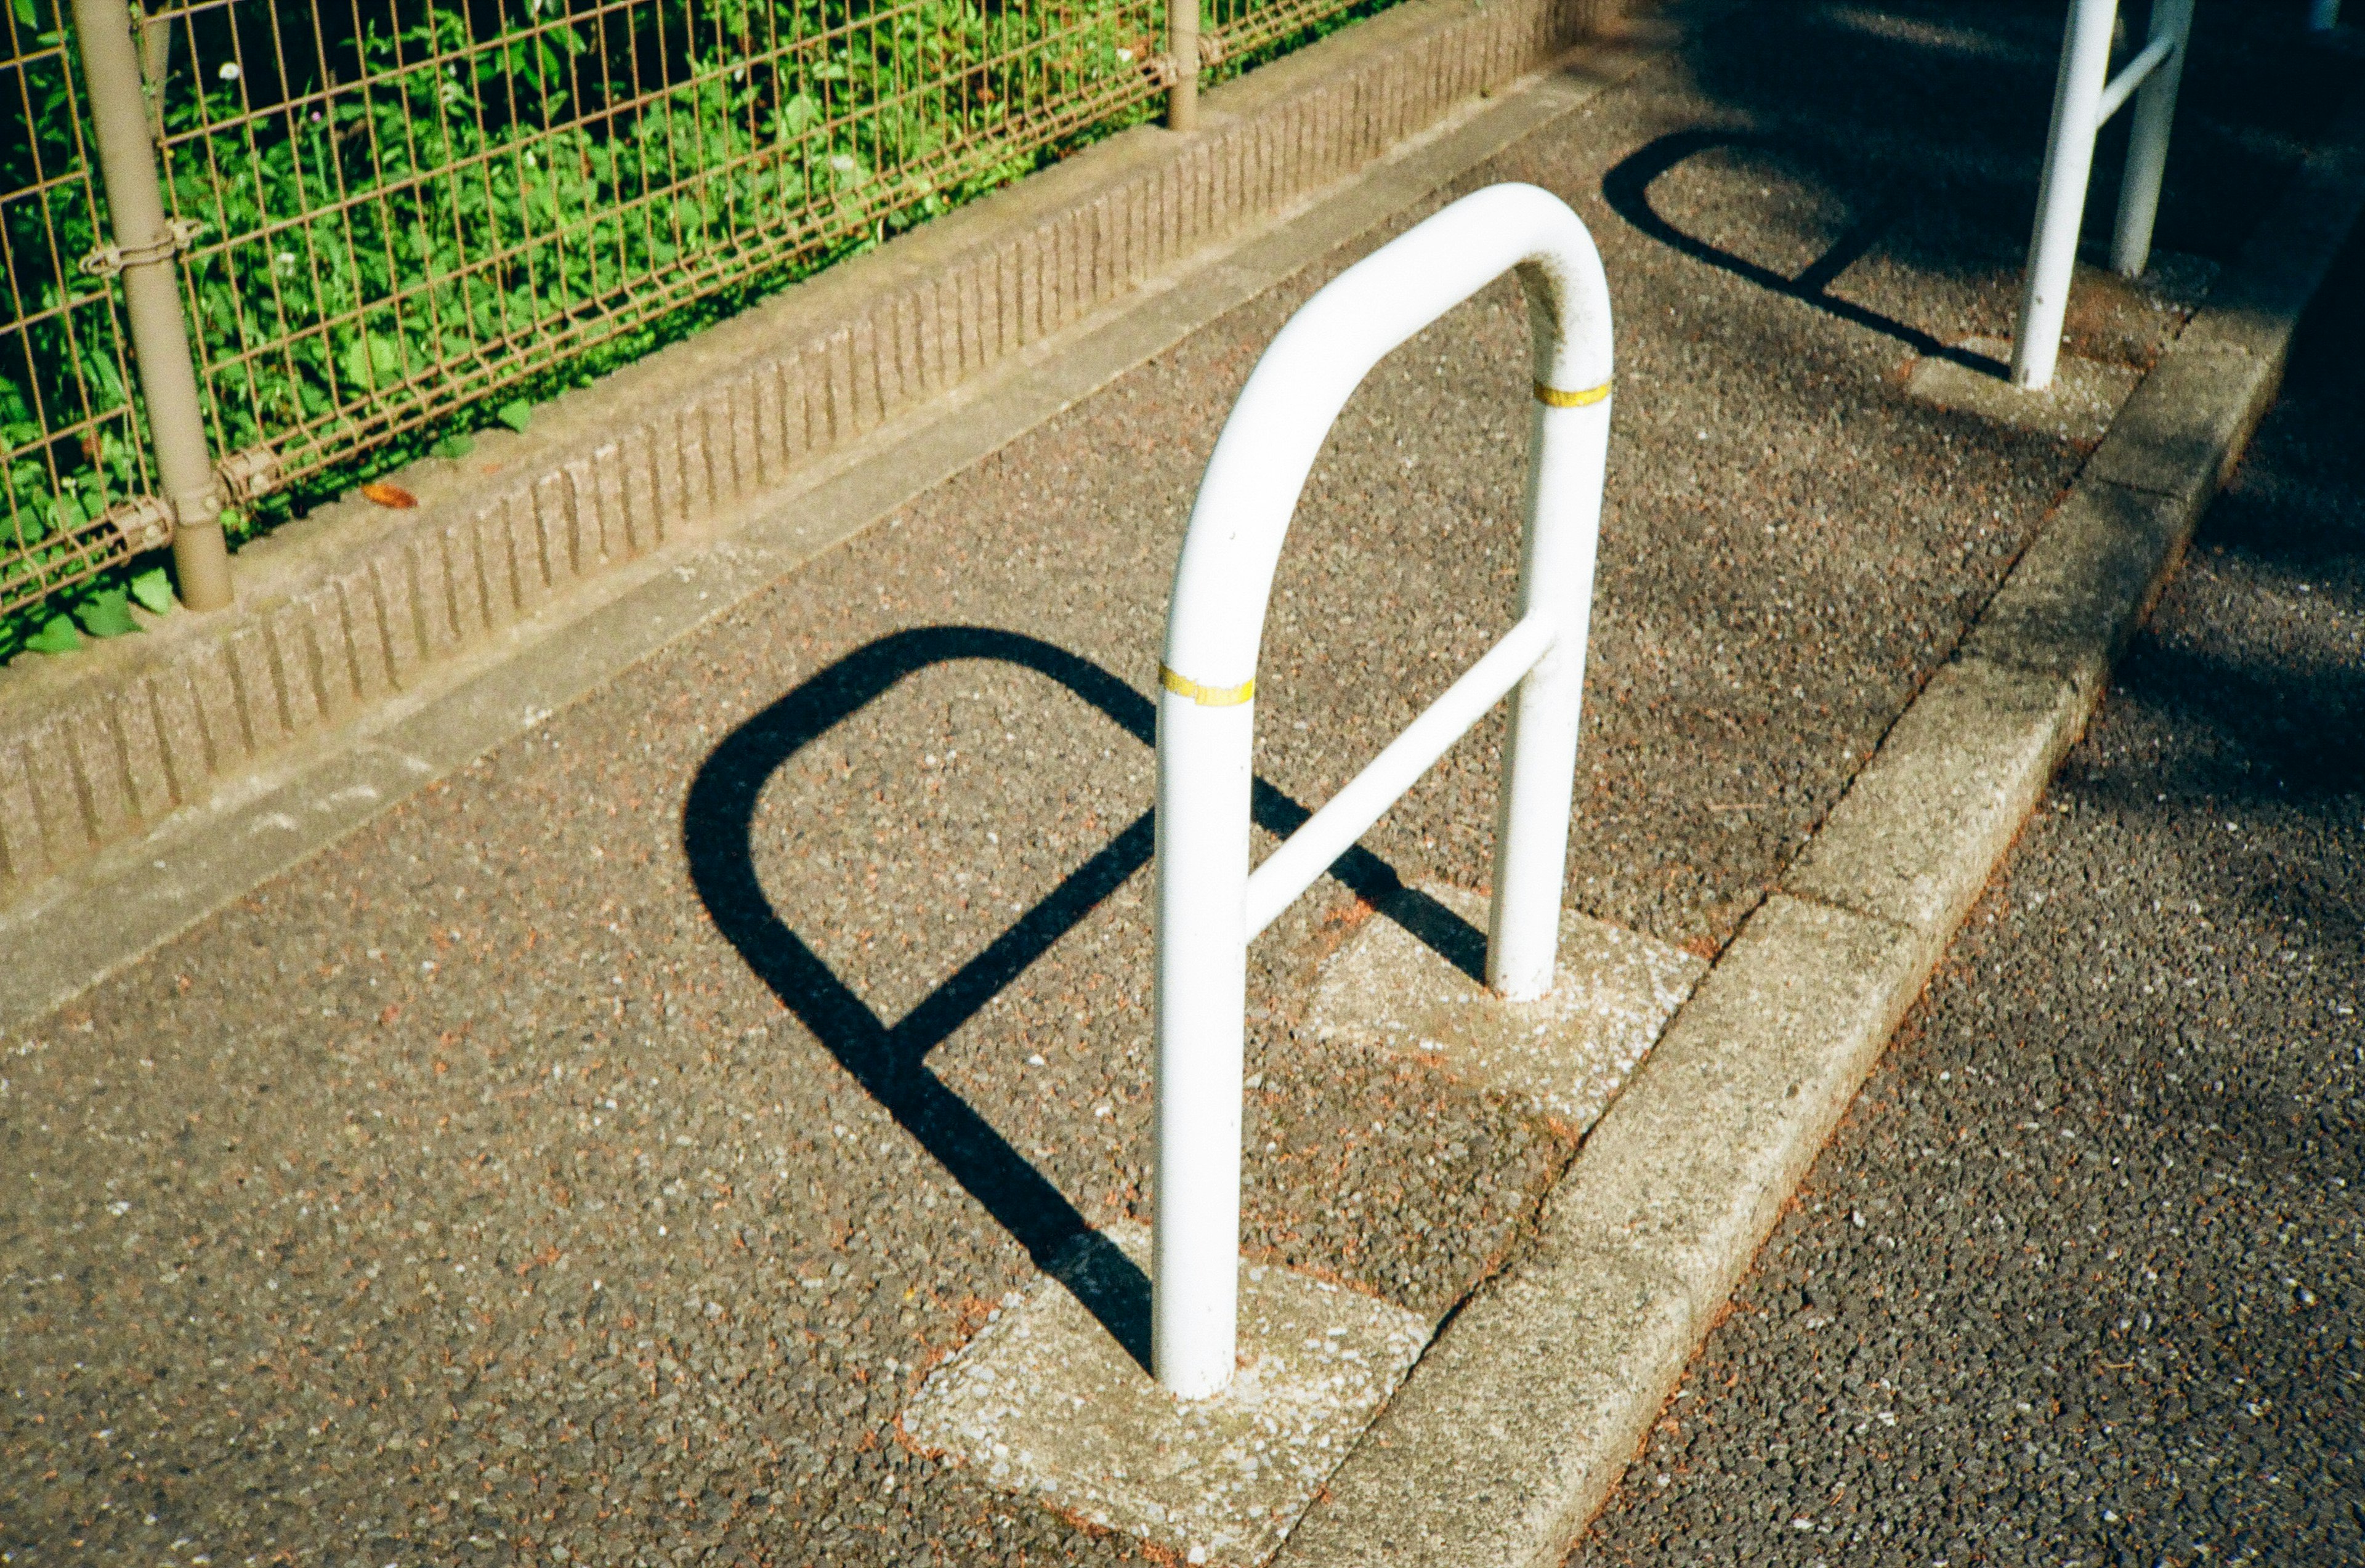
(1047,1403)
(2076,407)
(1409,983)
(2116,328)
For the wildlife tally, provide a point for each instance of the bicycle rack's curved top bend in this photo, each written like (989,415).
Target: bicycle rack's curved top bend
(1208,906)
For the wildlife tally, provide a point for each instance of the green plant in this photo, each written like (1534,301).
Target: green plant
(379,262)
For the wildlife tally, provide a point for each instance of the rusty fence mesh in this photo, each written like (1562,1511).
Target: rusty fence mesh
(404,209)
(74,459)
(1243,31)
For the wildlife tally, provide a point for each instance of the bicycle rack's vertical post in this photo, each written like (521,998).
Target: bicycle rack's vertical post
(2155,112)
(2061,195)
(145,246)
(1182,49)
(1208,905)
(1571,446)
(1204,740)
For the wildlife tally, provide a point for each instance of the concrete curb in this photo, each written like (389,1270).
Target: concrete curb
(70,929)
(344,612)
(1512,1430)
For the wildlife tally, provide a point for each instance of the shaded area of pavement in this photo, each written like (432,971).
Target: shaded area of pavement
(585,1161)
(2082,1278)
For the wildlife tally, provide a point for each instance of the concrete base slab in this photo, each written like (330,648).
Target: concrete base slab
(1046,1401)
(1407,984)
(2131,321)
(2078,406)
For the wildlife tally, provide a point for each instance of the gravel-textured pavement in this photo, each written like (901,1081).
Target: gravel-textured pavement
(584,1160)
(2081,1279)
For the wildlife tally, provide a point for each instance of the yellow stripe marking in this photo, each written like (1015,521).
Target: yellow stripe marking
(1553,398)
(1206,696)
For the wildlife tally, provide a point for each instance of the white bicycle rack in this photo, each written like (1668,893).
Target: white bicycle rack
(2085,95)
(1208,905)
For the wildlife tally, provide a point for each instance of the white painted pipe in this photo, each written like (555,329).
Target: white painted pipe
(2171,29)
(1289,870)
(2061,195)
(2131,76)
(1564,484)
(1206,711)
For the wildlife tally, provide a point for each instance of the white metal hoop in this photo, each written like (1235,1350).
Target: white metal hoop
(1208,905)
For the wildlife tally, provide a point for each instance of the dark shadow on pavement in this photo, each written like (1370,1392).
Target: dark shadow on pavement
(1627,188)
(890,1060)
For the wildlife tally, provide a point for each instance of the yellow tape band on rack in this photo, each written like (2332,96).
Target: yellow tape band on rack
(1206,696)
(1553,398)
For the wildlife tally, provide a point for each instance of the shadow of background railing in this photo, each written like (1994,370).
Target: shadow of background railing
(890,1060)
(1627,188)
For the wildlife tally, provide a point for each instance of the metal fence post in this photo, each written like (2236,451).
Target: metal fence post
(1182,48)
(155,63)
(145,244)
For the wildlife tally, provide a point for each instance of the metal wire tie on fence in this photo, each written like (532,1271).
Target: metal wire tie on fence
(142,522)
(1553,398)
(180,233)
(250,475)
(1206,696)
(1163,70)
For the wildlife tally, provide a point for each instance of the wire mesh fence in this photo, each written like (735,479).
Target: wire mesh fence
(1238,30)
(74,466)
(429,204)
(399,212)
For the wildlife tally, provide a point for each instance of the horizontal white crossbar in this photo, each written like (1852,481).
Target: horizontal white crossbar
(1307,853)
(2122,87)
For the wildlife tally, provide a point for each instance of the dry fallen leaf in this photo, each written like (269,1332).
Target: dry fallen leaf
(388,495)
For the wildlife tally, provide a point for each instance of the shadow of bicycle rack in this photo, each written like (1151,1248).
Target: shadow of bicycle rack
(890,1060)
(1627,188)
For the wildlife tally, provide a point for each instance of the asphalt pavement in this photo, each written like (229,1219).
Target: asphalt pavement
(584,1160)
(2082,1280)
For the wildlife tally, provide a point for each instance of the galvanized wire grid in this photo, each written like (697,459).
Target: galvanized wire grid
(406,208)
(1241,27)
(71,450)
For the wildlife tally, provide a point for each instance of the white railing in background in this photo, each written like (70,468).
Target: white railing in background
(2085,95)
